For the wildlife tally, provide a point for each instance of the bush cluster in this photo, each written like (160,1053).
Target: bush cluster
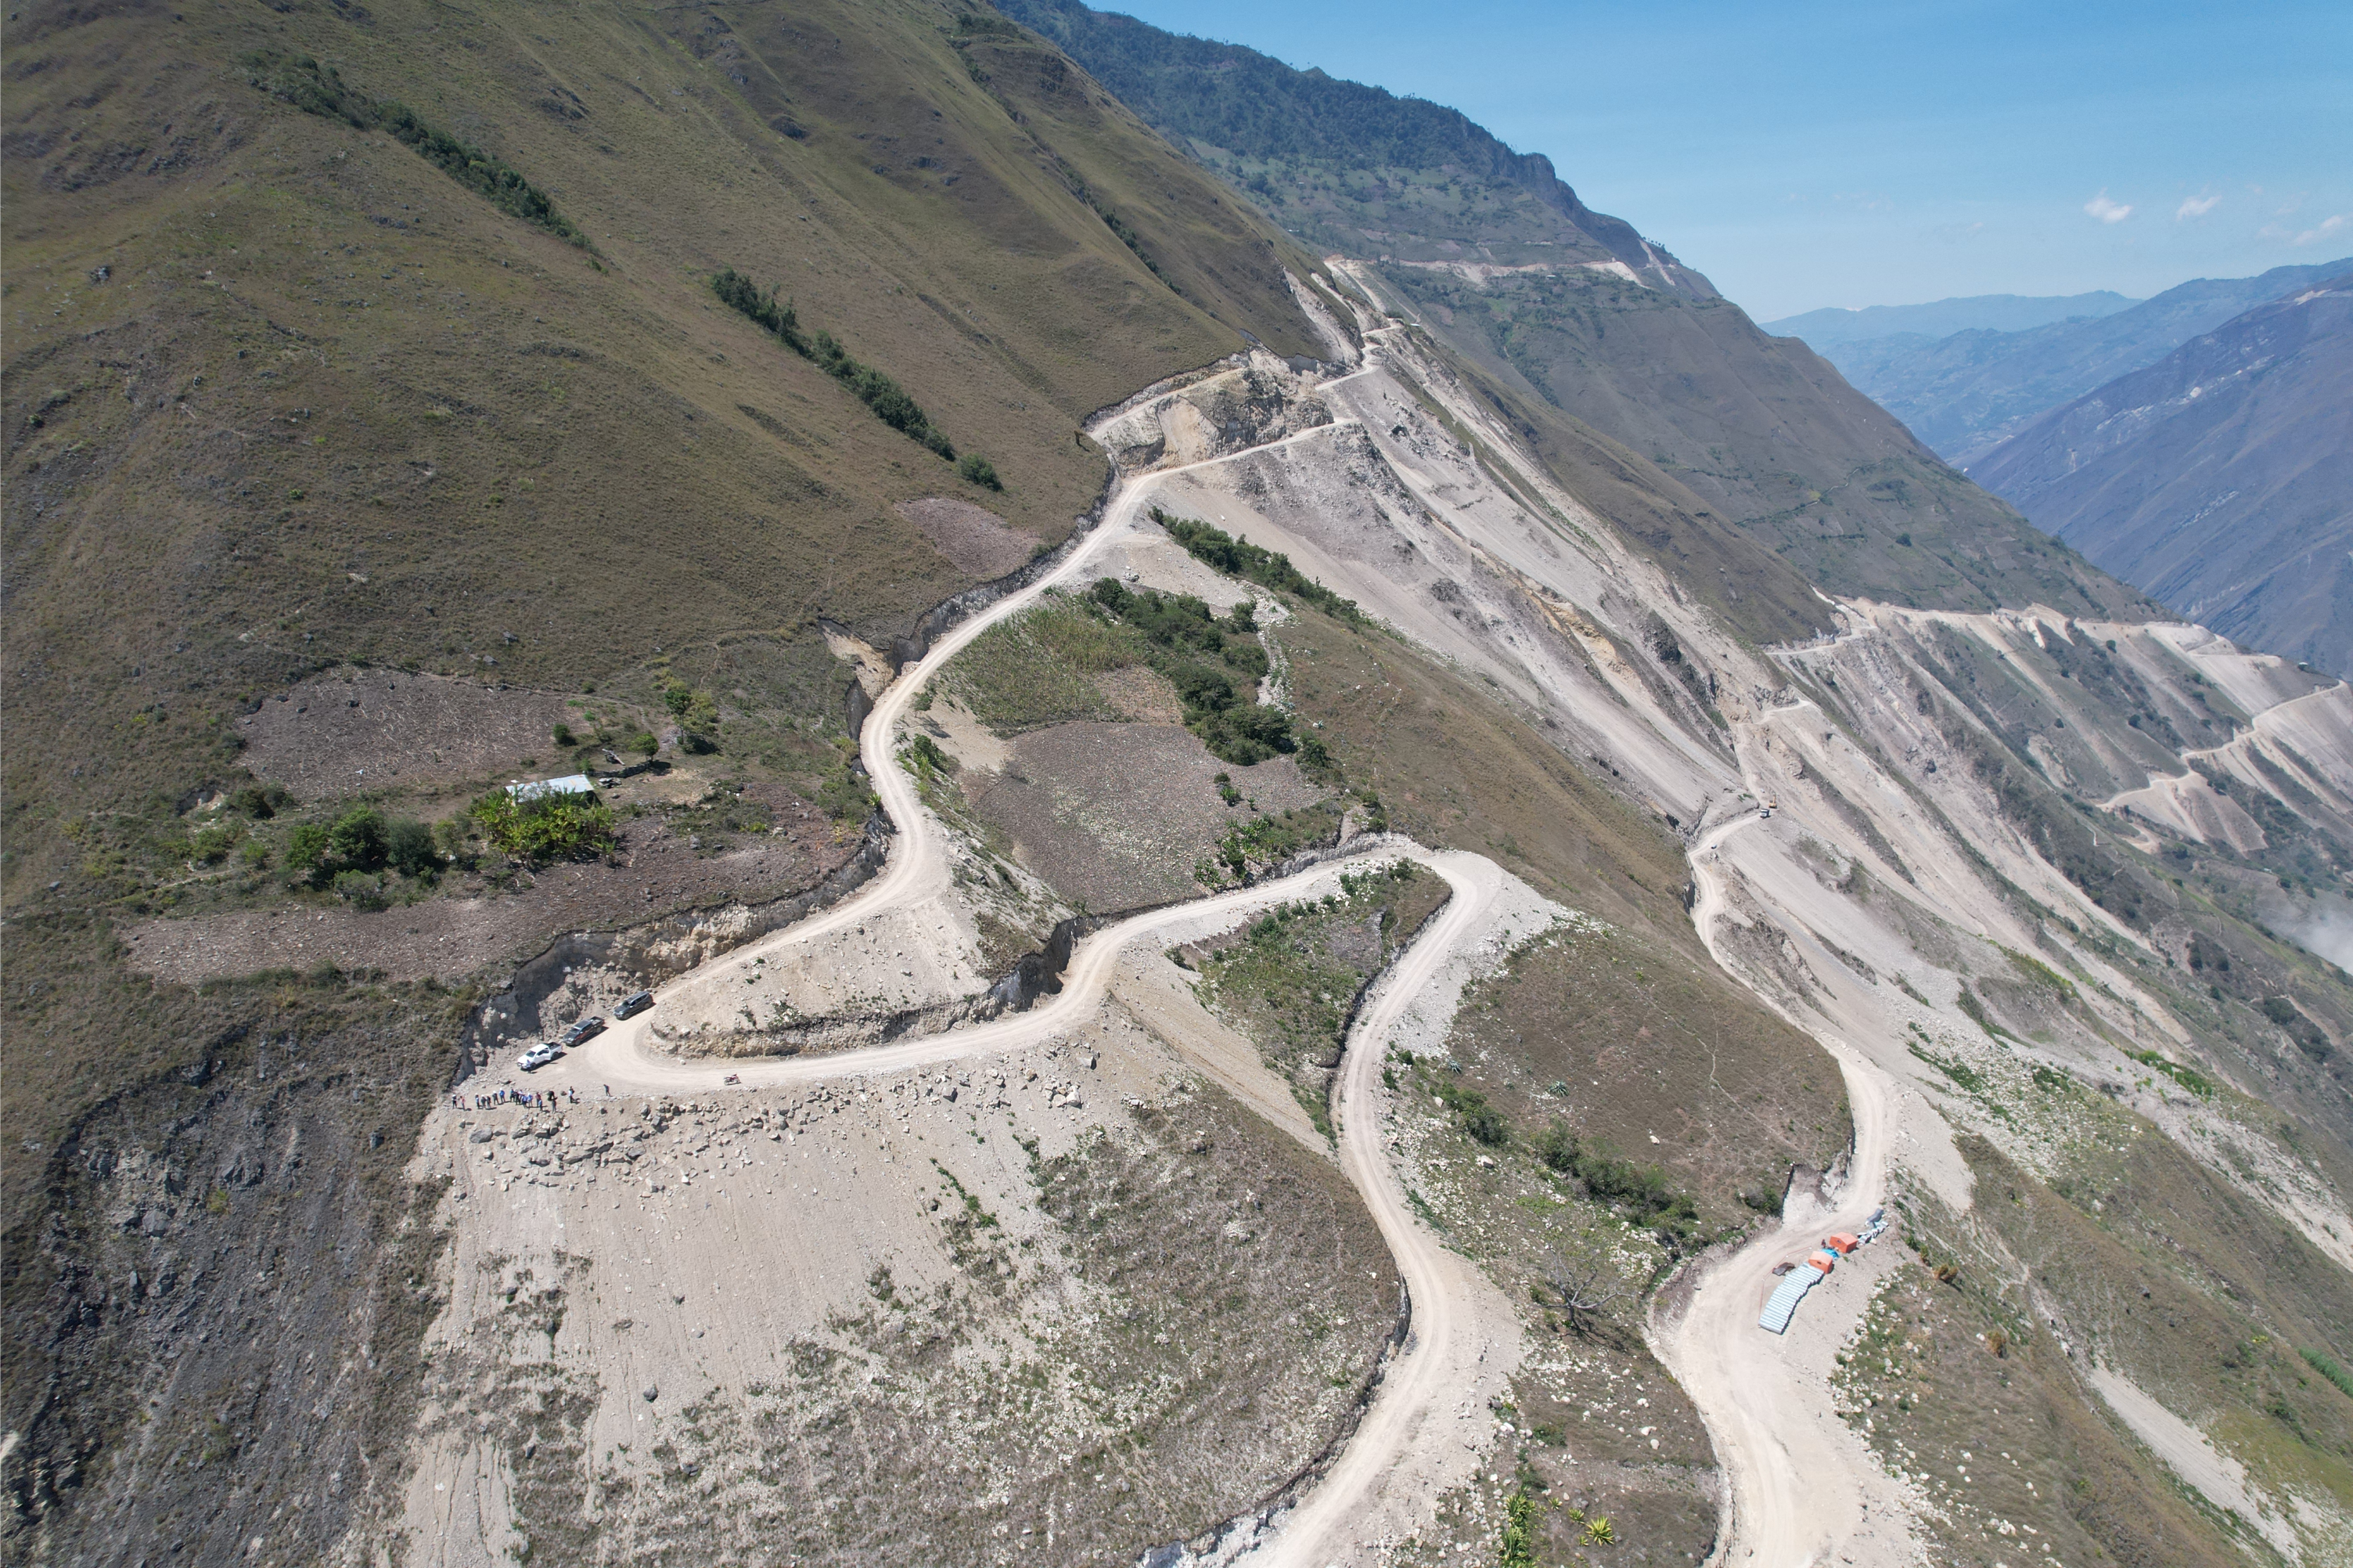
(1182,637)
(1216,547)
(350,853)
(316,89)
(1640,1191)
(549,828)
(889,401)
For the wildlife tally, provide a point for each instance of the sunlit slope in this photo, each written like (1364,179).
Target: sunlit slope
(282,392)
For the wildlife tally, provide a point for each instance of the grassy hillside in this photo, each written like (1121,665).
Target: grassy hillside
(385,339)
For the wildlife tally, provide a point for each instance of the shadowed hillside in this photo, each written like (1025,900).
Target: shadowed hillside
(2216,477)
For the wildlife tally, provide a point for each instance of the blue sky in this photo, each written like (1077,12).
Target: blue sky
(1809,154)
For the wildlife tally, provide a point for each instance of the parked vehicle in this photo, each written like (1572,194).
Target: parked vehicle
(631,1006)
(587,1029)
(539,1056)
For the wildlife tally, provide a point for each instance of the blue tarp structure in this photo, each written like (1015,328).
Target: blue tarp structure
(1782,1304)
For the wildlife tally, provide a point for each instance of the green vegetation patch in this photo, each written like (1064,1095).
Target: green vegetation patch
(888,400)
(1216,547)
(1290,979)
(1036,669)
(549,828)
(2190,1079)
(316,89)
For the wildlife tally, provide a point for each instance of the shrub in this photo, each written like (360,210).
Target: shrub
(1642,1191)
(302,82)
(210,845)
(643,743)
(1480,1120)
(1243,735)
(739,293)
(259,801)
(307,846)
(408,847)
(886,397)
(563,734)
(357,839)
(1240,558)
(550,827)
(843,794)
(362,889)
(977,470)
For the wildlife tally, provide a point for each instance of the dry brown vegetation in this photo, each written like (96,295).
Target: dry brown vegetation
(1647,1057)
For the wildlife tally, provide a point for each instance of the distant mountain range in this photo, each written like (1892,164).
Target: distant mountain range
(2219,479)
(1966,391)
(1942,317)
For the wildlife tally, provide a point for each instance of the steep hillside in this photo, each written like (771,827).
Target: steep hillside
(1488,249)
(1342,165)
(376,349)
(1262,909)
(2216,479)
(1832,327)
(1964,392)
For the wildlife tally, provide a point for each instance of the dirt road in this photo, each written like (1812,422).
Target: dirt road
(1442,1350)
(1794,1495)
(1338,1520)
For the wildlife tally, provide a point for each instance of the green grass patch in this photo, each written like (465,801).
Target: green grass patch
(2330,1368)
(2190,1079)
(1962,1073)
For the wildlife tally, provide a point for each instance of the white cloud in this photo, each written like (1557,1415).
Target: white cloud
(2196,207)
(2106,211)
(2323,229)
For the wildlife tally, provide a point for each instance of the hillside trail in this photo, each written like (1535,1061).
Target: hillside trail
(1793,1496)
(1393,1452)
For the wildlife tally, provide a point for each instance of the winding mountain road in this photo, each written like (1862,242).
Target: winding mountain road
(1440,1283)
(1792,1497)
(1773,1470)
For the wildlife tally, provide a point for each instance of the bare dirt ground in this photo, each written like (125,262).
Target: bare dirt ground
(978,540)
(656,871)
(1116,815)
(1054,1302)
(356,729)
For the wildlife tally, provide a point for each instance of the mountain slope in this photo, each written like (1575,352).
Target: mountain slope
(1491,253)
(1964,393)
(2217,478)
(1342,165)
(303,384)
(1832,328)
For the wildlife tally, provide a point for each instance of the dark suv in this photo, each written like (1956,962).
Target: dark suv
(630,1006)
(586,1029)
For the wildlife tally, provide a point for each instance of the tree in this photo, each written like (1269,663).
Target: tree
(980,470)
(1582,1294)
